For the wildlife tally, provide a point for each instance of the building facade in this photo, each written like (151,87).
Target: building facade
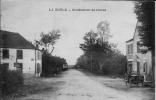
(19,54)
(138,62)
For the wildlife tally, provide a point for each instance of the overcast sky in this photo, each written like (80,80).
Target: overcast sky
(30,17)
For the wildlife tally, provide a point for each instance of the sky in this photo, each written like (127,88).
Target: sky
(31,17)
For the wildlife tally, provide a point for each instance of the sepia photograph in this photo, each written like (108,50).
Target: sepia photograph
(77,50)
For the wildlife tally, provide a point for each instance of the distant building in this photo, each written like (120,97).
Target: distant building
(138,62)
(16,53)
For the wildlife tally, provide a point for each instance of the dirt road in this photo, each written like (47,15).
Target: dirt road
(78,86)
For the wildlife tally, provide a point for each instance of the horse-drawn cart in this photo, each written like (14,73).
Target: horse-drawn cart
(134,79)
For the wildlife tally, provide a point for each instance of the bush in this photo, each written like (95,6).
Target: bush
(115,65)
(51,64)
(9,80)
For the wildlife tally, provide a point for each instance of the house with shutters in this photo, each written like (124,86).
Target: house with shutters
(138,62)
(17,53)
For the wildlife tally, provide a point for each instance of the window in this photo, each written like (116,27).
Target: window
(130,68)
(138,46)
(138,67)
(127,49)
(38,55)
(38,68)
(128,52)
(19,54)
(6,65)
(19,67)
(145,67)
(5,53)
(130,49)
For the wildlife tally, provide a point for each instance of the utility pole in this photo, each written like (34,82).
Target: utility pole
(1,40)
(91,61)
(91,67)
(0,56)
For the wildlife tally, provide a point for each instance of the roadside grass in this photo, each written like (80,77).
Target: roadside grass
(118,83)
(34,85)
(115,82)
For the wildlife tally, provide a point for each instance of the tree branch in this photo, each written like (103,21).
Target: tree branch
(52,50)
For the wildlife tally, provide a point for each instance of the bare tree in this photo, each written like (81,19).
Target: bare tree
(103,30)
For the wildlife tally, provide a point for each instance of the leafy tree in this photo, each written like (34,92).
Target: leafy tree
(95,49)
(100,55)
(51,64)
(115,65)
(90,40)
(92,43)
(48,40)
(145,12)
(83,62)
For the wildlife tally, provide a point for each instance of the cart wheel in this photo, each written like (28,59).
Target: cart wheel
(126,82)
(130,83)
(143,84)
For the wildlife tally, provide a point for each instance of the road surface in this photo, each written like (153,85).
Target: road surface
(75,85)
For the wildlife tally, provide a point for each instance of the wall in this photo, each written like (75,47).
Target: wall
(141,58)
(129,55)
(28,60)
(38,62)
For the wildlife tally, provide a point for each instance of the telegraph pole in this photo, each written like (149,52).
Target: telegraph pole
(91,67)
(0,56)
(91,61)
(1,40)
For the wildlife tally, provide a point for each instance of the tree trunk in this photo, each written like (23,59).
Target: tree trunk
(91,63)
(100,65)
(52,50)
(153,67)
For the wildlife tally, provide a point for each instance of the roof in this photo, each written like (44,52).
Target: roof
(134,32)
(129,40)
(14,40)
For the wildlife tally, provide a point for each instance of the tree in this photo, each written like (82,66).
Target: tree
(90,39)
(115,65)
(48,40)
(83,62)
(95,50)
(100,55)
(103,30)
(145,12)
(96,45)
(87,46)
(92,43)
(51,64)
(112,63)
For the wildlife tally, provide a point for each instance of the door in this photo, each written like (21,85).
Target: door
(38,68)
(129,71)
(19,67)
(138,67)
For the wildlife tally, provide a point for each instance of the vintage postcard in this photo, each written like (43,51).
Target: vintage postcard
(77,50)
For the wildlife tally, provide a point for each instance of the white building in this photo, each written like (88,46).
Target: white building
(19,54)
(137,62)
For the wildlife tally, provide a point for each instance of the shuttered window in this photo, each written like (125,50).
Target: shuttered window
(19,54)
(5,53)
